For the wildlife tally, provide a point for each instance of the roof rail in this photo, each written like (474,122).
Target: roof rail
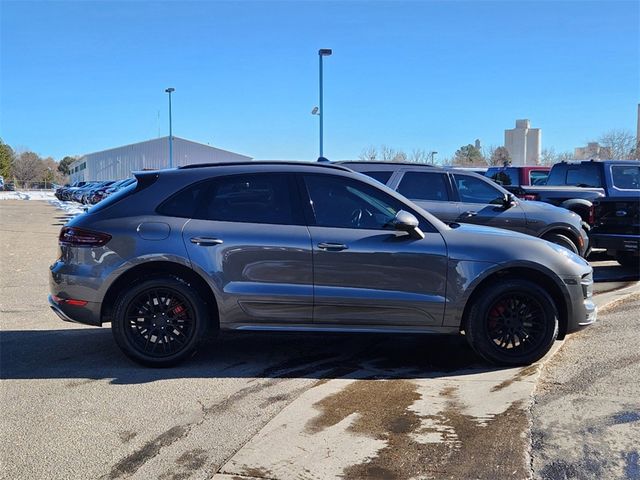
(266,162)
(387,162)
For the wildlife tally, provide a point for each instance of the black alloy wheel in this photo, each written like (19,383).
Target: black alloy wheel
(160,321)
(512,322)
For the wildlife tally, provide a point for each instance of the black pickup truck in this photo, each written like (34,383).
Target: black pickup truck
(571,185)
(616,223)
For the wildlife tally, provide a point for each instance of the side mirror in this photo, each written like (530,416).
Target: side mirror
(407,222)
(508,201)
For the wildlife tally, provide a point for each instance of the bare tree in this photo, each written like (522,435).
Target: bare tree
(547,156)
(369,154)
(387,154)
(418,155)
(618,145)
(27,167)
(564,157)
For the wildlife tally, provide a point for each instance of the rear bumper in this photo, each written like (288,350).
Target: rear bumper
(617,242)
(88,314)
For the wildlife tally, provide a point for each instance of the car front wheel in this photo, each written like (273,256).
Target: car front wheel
(159,322)
(513,322)
(563,241)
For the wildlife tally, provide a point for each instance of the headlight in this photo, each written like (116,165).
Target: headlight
(569,254)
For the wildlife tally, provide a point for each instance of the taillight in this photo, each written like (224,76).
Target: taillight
(78,237)
(592,215)
(530,196)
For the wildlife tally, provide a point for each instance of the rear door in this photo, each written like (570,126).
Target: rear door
(248,236)
(432,191)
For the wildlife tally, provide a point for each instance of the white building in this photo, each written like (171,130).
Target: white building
(120,162)
(523,143)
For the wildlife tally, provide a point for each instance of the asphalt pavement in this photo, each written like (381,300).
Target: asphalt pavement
(261,405)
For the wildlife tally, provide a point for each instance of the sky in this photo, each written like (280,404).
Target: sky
(83,76)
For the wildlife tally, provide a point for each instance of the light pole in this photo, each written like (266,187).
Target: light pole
(169,90)
(323,52)
(433,154)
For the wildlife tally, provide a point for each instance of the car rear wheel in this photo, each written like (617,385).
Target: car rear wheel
(159,322)
(563,241)
(513,322)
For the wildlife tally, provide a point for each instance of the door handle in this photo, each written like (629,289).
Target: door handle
(206,241)
(332,247)
(470,214)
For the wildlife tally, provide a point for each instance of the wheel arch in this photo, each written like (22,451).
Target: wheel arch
(552,287)
(155,269)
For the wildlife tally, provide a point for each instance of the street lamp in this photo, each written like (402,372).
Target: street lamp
(433,154)
(323,52)
(169,90)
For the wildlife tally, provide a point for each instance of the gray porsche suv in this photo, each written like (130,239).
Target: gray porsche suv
(292,246)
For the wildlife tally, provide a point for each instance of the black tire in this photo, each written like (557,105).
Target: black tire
(626,259)
(563,241)
(159,322)
(506,308)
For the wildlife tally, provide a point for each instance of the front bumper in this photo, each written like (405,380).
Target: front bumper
(583,311)
(616,242)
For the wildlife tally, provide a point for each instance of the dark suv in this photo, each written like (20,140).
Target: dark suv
(305,247)
(453,195)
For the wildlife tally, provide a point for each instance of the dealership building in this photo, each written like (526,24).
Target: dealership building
(120,162)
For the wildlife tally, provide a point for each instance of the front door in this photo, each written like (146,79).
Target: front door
(482,203)
(365,272)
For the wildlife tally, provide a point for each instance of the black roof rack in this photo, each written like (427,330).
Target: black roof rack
(266,162)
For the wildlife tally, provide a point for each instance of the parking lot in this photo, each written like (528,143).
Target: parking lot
(257,405)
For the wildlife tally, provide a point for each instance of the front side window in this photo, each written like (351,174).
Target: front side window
(476,190)
(345,203)
(424,186)
(626,177)
(255,198)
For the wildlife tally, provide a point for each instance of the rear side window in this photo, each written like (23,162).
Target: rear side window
(626,177)
(424,186)
(538,177)
(382,177)
(257,198)
(584,175)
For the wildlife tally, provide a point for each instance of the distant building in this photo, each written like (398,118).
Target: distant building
(593,150)
(523,143)
(120,162)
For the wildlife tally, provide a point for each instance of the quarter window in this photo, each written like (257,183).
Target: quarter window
(424,186)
